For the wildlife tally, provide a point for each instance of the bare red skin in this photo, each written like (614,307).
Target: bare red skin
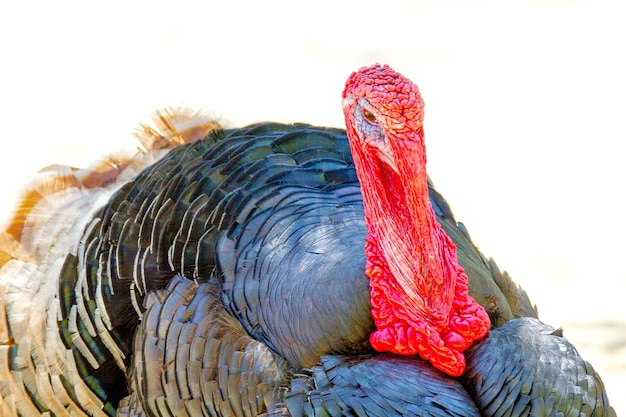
(419,292)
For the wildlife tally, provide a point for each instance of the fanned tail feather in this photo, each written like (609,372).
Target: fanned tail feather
(175,126)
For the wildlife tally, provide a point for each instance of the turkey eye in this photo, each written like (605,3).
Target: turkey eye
(369,116)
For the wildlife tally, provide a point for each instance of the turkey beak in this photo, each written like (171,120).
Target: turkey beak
(386,156)
(379,141)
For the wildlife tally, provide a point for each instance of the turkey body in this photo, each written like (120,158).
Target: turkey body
(228,279)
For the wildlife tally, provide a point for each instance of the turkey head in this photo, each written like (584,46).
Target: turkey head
(419,292)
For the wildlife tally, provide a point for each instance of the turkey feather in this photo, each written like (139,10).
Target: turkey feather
(222,272)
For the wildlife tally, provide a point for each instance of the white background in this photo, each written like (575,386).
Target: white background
(525,113)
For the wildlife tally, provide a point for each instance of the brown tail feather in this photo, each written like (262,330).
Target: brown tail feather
(174,126)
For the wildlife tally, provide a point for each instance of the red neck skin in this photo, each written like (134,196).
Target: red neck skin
(419,292)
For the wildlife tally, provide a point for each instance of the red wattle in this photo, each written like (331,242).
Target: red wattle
(398,333)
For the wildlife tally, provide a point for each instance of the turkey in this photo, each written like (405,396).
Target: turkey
(274,269)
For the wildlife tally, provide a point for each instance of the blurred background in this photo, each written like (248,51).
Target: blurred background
(525,113)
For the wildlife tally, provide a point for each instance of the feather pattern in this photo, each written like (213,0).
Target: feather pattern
(225,277)
(533,358)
